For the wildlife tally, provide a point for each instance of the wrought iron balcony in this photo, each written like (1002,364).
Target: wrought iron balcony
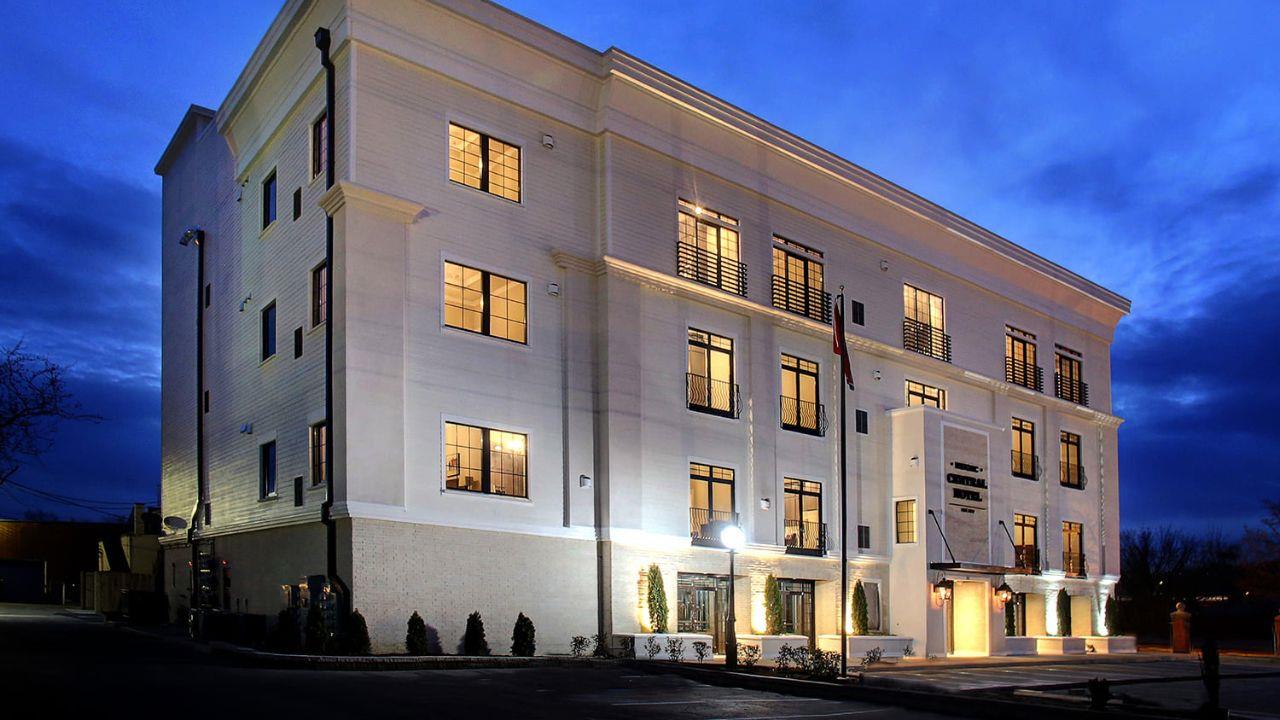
(796,297)
(1071,475)
(926,340)
(1025,465)
(805,538)
(1021,372)
(709,268)
(801,416)
(1027,557)
(704,524)
(1073,564)
(1071,389)
(712,396)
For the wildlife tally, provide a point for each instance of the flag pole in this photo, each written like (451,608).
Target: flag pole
(844,512)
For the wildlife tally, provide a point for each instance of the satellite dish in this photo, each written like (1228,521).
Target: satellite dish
(173,522)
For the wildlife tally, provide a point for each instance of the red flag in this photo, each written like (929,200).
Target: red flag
(838,345)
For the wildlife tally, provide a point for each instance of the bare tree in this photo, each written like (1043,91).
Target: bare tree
(34,400)
(1262,551)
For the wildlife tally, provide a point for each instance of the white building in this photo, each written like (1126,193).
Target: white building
(580,308)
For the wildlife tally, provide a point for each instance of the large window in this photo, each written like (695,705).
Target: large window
(269,200)
(803,528)
(319,294)
(800,408)
(921,394)
(484,460)
(707,249)
(710,500)
(1023,462)
(709,381)
(904,512)
(267,470)
(1020,366)
(1072,548)
(484,163)
(797,280)
(319,144)
(268,330)
(1067,378)
(318,438)
(486,303)
(924,324)
(1071,475)
(1025,541)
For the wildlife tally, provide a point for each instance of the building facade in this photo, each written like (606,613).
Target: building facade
(580,311)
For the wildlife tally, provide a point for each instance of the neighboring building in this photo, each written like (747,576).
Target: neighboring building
(129,561)
(580,309)
(42,561)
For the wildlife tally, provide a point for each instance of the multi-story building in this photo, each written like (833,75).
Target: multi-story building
(579,310)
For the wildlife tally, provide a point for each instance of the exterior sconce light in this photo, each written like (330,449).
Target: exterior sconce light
(884,266)
(875,374)
(942,590)
(584,481)
(1004,593)
(914,461)
(548,142)
(765,503)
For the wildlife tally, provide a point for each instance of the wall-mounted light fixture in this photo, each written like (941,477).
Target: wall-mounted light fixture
(765,503)
(884,266)
(875,374)
(548,142)
(942,590)
(553,289)
(1004,593)
(584,481)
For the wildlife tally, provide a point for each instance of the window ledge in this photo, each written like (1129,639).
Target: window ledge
(485,495)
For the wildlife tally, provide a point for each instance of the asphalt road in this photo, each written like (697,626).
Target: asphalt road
(63,662)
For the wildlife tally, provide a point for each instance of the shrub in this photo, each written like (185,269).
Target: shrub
(1064,613)
(803,658)
(651,647)
(824,665)
(748,655)
(772,605)
(675,648)
(702,650)
(657,601)
(786,658)
(599,645)
(355,640)
(523,643)
(415,638)
(473,642)
(872,657)
(317,634)
(578,645)
(860,620)
(1010,619)
(1110,616)
(284,636)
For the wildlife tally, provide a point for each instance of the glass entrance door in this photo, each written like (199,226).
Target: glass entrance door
(797,608)
(702,606)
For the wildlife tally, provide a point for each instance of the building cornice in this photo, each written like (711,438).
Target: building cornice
(345,193)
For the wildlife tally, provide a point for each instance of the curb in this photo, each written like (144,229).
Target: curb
(285,661)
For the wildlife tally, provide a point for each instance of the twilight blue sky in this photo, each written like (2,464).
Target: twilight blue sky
(1135,143)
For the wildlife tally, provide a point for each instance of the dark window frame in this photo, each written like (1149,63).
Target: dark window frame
(904,523)
(487,450)
(1071,474)
(939,400)
(319,294)
(483,183)
(270,191)
(268,327)
(317,439)
(800,369)
(802,489)
(268,470)
(709,346)
(319,144)
(814,302)
(1022,462)
(487,303)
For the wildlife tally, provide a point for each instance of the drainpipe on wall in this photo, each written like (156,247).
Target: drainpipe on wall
(326,510)
(196,235)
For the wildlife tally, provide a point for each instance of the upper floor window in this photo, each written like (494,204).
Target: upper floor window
(1068,381)
(1071,473)
(921,394)
(268,328)
(1025,541)
(797,280)
(1024,458)
(803,528)
(484,460)
(710,501)
(317,439)
(904,512)
(484,163)
(1020,366)
(483,302)
(709,383)
(319,294)
(267,470)
(707,249)
(1073,548)
(319,144)
(269,200)
(924,324)
(800,408)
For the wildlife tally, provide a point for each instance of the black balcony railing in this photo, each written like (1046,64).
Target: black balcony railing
(1071,475)
(805,538)
(801,416)
(926,340)
(1021,372)
(712,396)
(796,297)
(706,267)
(1073,564)
(1071,389)
(704,524)
(1025,465)
(1027,557)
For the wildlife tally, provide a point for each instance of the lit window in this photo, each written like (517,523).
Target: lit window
(707,249)
(709,381)
(802,515)
(710,500)
(319,145)
(921,394)
(800,408)
(484,163)
(319,294)
(797,280)
(1073,548)
(1072,474)
(484,460)
(482,302)
(1024,449)
(905,520)
(1020,366)
(924,324)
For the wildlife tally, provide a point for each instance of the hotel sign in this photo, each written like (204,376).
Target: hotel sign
(966,489)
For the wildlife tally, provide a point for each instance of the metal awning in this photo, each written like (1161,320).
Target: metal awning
(979,568)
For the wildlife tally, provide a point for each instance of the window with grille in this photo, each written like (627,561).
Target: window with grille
(319,144)
(709,381)
(798,284)
(800,408)
(707,248)
(485,460)
(1023,461)
(319,294)
(318,438)
(484,163)
(921,394)
(486,303)
(905,520)
(1071,473)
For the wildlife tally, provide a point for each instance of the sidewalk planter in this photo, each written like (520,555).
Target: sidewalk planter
(661,638)
(1112,645)
(770,644)
(1052,645)
(1020,646)
(892,647)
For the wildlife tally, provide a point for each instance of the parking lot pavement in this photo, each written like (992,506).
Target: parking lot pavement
(64,663)
(1048,675)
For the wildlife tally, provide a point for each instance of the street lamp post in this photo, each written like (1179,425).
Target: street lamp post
(732,537)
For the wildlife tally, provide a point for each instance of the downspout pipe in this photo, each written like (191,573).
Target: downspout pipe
(326,510)
(196,235)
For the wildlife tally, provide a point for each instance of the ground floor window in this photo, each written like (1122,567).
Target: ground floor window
(797,608)
(485,460)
